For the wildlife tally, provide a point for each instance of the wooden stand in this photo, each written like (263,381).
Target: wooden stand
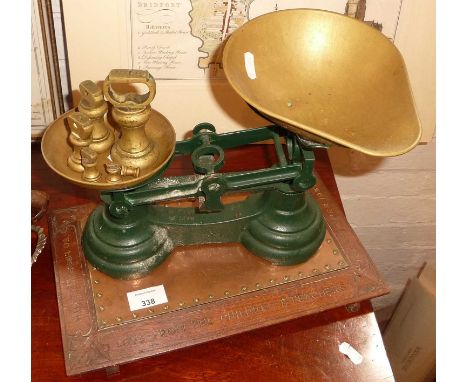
(100,331)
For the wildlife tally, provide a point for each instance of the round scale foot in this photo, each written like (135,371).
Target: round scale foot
(125,248)
(288,232)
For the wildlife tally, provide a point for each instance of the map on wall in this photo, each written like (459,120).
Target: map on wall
(183,39)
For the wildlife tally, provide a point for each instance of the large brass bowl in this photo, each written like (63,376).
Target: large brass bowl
(326,76)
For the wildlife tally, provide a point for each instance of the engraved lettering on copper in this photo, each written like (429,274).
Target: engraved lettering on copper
(243,313)
(201,322)
(194,323)
(68,240)
(63,225)
(323,202)
(151,339)
(304,297)
(67,254)
(68,261)
(170,331)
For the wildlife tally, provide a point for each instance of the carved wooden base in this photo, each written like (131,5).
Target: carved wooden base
(99,330)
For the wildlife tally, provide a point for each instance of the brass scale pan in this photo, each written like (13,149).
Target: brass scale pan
(322,75)
(326,77)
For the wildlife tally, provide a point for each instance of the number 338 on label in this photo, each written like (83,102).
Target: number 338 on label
(149,302)
(145,298)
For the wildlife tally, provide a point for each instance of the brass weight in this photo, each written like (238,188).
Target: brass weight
(81,128)
(89,162)
(93,105)
(131,111)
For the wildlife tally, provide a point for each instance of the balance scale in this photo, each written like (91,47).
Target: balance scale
(197,257)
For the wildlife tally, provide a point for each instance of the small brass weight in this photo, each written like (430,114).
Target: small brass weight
(116,143)
(93,106)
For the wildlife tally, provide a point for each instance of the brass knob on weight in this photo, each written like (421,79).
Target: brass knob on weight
(132,111)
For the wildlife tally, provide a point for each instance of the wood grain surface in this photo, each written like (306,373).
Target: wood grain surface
(304,349)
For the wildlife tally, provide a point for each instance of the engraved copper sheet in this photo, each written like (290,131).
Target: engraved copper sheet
(199,274)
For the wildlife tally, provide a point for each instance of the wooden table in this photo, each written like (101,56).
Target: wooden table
(304,349)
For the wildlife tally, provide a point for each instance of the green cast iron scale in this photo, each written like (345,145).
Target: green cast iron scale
(116,143)
(280,222)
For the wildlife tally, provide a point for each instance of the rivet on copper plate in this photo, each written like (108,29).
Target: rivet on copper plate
(329,241)
(257,285)
(327,267)
(181,304)
(94,268)
(134,315)
(300,274)
(244,288)
(210,296)
(335,252)
(98,294)
(319,194)
(151,310)
(226,293)
(196,299)
(118,319)
(272,281)
(315,270)
(286,278)
(101,308)
(104,322)
(96,281)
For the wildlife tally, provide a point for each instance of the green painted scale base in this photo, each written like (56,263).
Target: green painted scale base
(128,236)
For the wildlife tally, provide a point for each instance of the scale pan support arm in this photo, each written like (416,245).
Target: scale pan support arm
(326,77)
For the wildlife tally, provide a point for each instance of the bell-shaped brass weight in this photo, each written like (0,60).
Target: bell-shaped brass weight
(89,162)
(81,128)
(131,111)
(93,105)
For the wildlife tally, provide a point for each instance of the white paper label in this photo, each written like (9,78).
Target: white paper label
(146,298)
(351,353)
(249,62)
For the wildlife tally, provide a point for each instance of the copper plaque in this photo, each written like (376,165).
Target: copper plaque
(200,274)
